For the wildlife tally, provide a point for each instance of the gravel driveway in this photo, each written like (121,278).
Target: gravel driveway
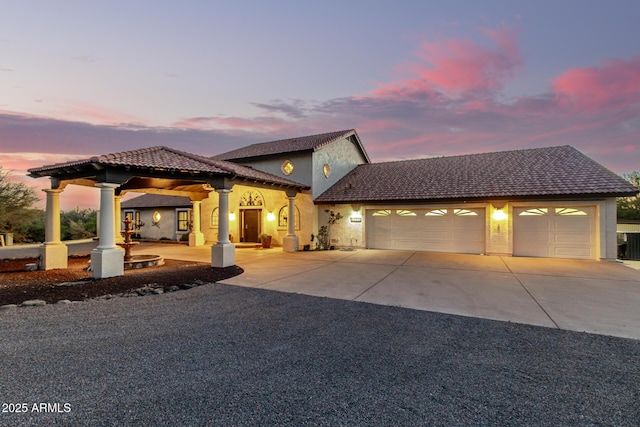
(225,355)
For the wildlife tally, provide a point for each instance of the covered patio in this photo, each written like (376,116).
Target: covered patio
(157,170)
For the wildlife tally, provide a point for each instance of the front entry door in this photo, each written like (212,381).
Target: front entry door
(251,225)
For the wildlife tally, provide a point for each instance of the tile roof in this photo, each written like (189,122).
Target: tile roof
(156,201)
(290,145)
(166,159)
(539,172)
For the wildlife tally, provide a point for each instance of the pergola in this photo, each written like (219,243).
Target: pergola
(158,170)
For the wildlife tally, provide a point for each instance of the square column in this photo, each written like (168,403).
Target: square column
(223,253)
(107,260)
(290,242)
(117,209)
(53,253)
(196,237)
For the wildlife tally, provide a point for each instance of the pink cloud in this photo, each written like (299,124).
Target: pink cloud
(615,83)
(251,124)
(454,66)
(98,115)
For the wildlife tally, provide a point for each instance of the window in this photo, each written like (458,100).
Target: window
(326,170)
(570,211)
(436,212)
(534,212)
(283,217)
(183,220)
(134,216)
(464,212)
(287,167)
(251,198)
(404,212)
(214,218)
(383,212)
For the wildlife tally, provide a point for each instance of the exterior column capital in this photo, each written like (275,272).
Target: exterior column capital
(52,190)
(107,185)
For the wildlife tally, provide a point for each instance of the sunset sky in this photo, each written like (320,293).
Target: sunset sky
(414,78)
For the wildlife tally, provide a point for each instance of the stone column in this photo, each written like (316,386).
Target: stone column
(196,237)
(107,260)
(290,242)
(117,209)
(53,253)
(223,253)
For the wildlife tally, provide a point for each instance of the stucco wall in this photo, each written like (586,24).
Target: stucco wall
(273,201)
(164,229)
(302,171)
(341,156)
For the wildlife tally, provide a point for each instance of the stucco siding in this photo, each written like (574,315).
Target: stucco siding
(302,171)
(272,202)
(342,156)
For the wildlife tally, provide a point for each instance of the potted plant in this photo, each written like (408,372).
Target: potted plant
(266,240)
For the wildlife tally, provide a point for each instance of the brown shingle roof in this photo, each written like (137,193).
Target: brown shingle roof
(156,201)
(166,159)
(554,171)
(290,145)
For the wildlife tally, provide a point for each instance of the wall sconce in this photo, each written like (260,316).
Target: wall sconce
(499,215)
(155,219)
(232,216)
(355,216)
(271,216)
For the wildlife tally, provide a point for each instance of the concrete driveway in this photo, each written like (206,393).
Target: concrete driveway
(575,295)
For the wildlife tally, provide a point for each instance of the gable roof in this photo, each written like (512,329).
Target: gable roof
(291,145)
(162,159)
(156,201)
(530,173)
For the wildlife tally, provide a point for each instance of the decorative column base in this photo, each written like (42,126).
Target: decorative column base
(196,238)
(223,255)
(53,256)
(290,243)
(107,263)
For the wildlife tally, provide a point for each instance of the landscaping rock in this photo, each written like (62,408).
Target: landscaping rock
(8,306)
(30,267)
(33,303)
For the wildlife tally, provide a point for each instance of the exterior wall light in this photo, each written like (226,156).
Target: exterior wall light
(232,216)
(355,216)
(271,216)
(156,218)
(499,215)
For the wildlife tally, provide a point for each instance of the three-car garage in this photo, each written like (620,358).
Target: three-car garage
(538,231)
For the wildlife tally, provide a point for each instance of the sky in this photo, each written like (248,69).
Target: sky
(414,78)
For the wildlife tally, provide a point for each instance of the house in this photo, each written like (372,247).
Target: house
(154,216)
(547,202)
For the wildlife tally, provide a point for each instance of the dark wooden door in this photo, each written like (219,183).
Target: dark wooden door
(251,225)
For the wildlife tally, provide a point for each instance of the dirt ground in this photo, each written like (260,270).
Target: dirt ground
(76,284)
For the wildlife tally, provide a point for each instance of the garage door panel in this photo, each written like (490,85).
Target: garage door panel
(417,229)
(578,239)
(560,232)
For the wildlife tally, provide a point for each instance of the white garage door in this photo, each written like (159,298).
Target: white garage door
(556,232)
(437,230)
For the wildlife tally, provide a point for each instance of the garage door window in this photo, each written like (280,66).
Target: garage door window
(383,212)
(570,211)
(404,212)
(436,212)
(464,212)
(534,212)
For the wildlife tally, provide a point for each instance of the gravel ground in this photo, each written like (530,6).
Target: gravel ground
(224,355)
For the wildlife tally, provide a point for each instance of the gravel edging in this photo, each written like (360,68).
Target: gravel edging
(150,289)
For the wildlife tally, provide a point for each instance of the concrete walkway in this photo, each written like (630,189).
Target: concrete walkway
(576,295)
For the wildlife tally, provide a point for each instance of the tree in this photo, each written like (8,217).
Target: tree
(16,201)
(78,224)
(629,207)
